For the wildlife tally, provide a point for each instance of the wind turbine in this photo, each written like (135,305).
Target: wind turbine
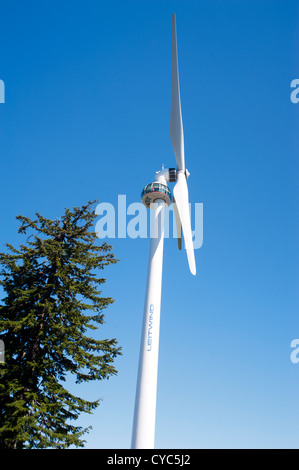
(157,196)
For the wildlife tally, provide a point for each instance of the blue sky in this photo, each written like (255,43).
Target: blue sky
(87,117)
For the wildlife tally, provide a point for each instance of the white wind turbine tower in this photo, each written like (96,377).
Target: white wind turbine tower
(157,196)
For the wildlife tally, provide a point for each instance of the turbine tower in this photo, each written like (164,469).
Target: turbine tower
(157,196)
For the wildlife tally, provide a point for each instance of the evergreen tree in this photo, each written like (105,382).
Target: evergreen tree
(51,302)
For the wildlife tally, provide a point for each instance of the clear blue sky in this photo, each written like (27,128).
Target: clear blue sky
(87,117)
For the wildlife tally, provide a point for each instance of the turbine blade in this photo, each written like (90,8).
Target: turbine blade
(176,123)
(180,194)
(178,224)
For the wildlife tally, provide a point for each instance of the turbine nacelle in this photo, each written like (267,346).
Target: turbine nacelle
(169,175)
(159,190)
